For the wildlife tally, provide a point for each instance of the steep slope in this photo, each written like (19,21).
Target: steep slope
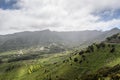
(106,34)
(114,39)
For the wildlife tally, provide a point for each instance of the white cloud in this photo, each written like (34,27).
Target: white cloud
(59,15)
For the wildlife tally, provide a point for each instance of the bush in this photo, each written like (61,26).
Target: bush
(108,38)
(75,59)
(90,49)
(101,45)
(80,61)
(81,52)
(112,50)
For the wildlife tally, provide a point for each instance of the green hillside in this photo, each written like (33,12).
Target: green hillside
(114,39)
(99,61)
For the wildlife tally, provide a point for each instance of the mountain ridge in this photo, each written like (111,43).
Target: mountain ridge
(47,37)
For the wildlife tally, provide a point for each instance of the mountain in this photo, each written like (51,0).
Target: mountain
(114,38)
(46,37)
(106,34)
(98,61)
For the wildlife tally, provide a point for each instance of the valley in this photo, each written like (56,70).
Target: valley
(96,61)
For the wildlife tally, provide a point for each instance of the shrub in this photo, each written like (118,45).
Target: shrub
(80,61)
(98,46)
(90,49)
(102,45)
(81,52)
(108,38)
(75,59)
(70,58)
(112,50)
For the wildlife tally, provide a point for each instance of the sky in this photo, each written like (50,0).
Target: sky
(58,15)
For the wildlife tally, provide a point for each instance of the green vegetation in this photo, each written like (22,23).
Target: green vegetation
(114,39)
(99,61)
(67,65)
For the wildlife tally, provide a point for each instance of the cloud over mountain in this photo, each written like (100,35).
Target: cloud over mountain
(59,15)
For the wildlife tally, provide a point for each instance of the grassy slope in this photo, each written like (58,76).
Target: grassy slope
(53,68)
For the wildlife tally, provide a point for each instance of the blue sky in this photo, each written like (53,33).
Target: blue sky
(107,15)
(58,15)
(6,4)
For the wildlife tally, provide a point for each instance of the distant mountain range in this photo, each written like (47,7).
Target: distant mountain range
(47,37)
